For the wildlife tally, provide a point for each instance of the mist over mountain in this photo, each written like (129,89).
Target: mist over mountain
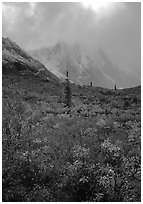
(84,67)
(110,32)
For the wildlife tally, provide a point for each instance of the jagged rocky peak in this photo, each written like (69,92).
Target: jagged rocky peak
(74,58)
(83,66)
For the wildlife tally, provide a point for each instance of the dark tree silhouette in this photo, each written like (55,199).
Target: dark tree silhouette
(67,92)
(115,87)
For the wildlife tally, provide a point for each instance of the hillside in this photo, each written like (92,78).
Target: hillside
(15,60)
(90,153)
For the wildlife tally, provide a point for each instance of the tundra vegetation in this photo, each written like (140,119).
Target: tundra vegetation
(91,154)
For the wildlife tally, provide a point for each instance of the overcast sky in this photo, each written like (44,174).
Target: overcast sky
(115,27)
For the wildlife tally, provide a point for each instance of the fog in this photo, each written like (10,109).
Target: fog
(116,29)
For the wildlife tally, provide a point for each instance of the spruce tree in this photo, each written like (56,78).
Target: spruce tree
(67,92)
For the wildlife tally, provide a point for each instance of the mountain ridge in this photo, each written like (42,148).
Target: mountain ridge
(80,66)
(83,67)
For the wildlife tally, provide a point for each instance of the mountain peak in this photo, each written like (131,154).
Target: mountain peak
(74,58)
(83,66)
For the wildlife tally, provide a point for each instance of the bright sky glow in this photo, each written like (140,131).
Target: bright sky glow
(96,5)
(32,8)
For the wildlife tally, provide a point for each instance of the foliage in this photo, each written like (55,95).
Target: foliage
(89,156)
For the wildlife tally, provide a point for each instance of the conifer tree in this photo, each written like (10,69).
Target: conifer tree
(67,92)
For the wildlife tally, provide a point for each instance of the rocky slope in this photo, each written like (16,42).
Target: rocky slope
(16,60)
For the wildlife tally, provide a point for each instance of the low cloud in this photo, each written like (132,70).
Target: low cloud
(116,29)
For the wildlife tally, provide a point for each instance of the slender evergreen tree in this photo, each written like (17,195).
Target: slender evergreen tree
(67,92)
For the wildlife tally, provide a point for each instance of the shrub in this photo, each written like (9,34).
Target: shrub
(126,104)
(135,99)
